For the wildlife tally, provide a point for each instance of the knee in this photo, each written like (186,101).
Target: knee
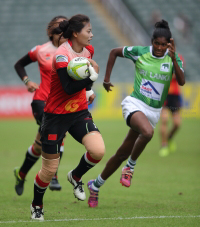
(37,146)
(147,134)
(177,125)
(94,144)
(49,168)
(97,152)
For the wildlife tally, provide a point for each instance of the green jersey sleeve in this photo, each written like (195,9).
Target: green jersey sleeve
(179,62)
(131,52)
(134,52)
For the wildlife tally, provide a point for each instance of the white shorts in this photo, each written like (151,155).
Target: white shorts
(131,104)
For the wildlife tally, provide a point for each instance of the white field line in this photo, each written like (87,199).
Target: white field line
(100,219)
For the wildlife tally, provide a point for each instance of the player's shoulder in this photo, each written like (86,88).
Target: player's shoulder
(143,49)
(61,54)
(45,47)
(62,49)
(40,47)
(137,50)
(90,48)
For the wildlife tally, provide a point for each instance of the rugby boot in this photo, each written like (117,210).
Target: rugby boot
(126,176)
(164,151)
(54,185)
(79,192)
(37,213)
(93,198)
(19,185)
(172,146)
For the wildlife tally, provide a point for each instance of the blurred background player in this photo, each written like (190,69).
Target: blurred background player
(67,110)
(43,54)
(172,104)
(141,110)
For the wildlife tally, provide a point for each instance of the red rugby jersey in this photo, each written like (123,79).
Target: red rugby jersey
(43,54)
(59,102)
(174,88)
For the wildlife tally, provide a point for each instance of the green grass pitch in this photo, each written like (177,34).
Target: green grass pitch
(164,191)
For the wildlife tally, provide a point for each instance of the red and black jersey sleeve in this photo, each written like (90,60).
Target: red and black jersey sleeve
(33,53)
(61,61)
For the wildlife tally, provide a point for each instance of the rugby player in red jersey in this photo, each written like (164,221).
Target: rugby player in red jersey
(66,110)
(43,54)
(173,104)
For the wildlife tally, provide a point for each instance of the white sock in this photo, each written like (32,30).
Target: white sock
(131,163)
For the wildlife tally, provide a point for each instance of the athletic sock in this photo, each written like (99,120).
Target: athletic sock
(30,159)
(39,190)
(131,163)
(98,182)
(86,163)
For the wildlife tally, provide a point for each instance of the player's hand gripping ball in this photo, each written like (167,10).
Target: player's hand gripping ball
(78,68)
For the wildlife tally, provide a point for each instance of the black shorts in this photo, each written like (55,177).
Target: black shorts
(54,127)
(38,110)
(173,102)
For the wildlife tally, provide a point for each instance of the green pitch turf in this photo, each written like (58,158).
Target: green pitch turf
(164,191)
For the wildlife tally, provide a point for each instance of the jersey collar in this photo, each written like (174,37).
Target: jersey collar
(151,51)
(70,42)
(51,44)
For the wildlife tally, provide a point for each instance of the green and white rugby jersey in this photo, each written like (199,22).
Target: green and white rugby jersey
(153,74)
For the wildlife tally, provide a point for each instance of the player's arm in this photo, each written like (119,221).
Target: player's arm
(90,95)
(70,86)
(20,69)
(114,53)
(178,72)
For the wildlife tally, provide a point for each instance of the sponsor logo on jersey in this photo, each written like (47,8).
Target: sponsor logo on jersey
(165,67)
(48,56)
(61,58)
(33,49)
(151,89)
(143,62)
(73,105)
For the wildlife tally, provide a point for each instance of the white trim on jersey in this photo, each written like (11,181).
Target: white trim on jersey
(134,57)
(151,51)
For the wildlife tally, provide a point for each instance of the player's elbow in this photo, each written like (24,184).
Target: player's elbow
(16,66)
(182,82)
(69,92)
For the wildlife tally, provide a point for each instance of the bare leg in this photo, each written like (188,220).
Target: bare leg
(140,123)
(122,154)
(176,116)
(163,127)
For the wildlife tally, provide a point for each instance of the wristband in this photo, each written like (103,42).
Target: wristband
(106,82)
(89,93)
(26,80)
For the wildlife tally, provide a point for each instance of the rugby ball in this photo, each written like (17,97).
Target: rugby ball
(78,68)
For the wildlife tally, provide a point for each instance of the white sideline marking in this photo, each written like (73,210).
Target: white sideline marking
(99,219)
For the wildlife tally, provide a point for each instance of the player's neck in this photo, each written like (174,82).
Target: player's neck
(77,47)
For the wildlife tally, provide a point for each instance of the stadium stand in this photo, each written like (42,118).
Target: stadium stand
(183,17)
(23,25)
